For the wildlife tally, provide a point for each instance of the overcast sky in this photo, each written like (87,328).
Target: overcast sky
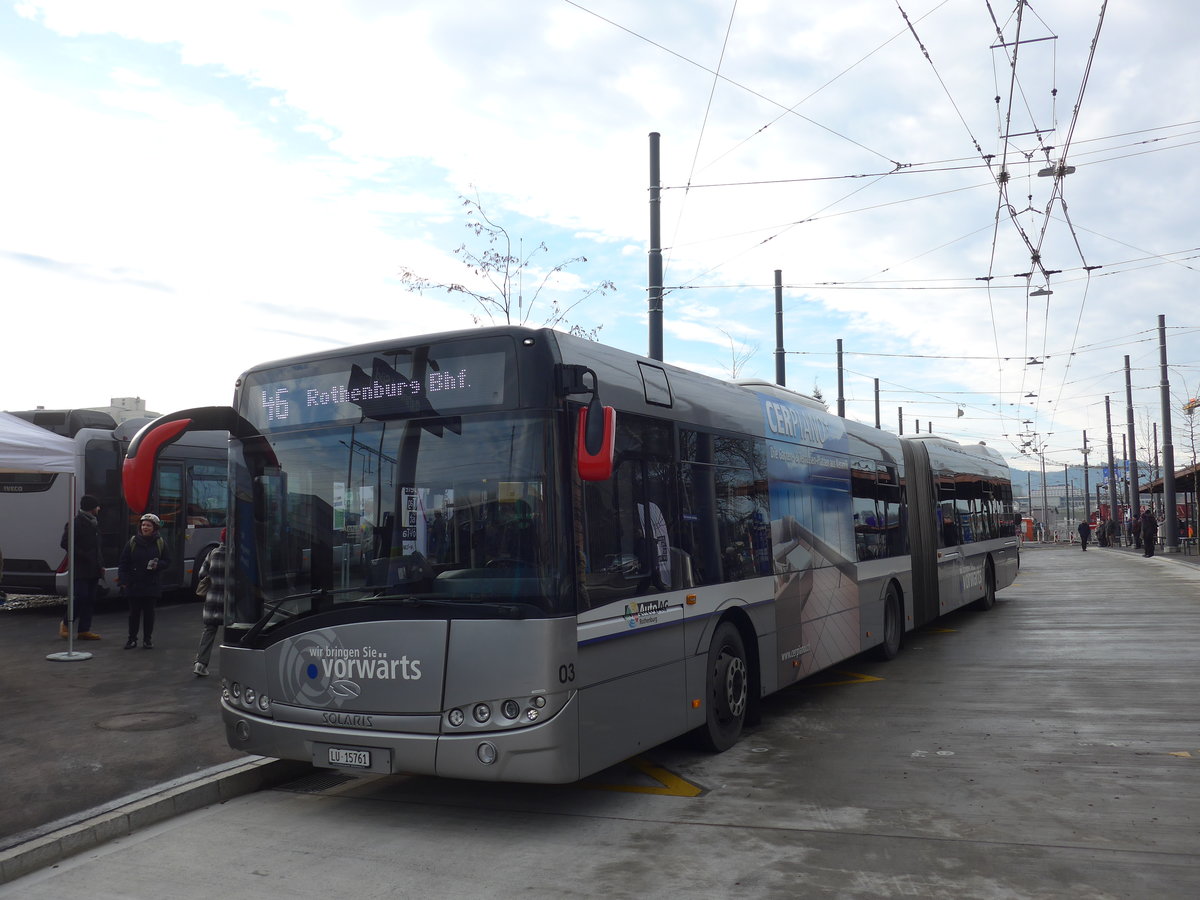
(189,189)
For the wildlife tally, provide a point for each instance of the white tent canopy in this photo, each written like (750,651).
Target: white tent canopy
(25,447)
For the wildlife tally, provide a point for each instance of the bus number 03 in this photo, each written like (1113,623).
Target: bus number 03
(566,673)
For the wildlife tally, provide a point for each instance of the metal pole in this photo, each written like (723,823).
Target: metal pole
(877,425)
(1067,484)
(780,366)
(841,391)
(1087,492)
(900,412)
(71,654)
(1045,517)
(1135,505)
(655,261)
(1114,503)
(1125,460)
(1158,472)
(1171,524)
(1194,524)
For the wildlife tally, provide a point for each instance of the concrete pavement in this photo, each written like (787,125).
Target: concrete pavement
(1063,740)
(126,728)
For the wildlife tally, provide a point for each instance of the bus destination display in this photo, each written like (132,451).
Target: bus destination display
(350,389)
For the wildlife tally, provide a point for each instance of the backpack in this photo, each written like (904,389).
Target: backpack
(162,545)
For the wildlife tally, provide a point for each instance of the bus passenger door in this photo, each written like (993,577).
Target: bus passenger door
(631,642)
(170,508)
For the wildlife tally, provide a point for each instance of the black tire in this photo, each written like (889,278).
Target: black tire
(988,600)
(727,689)
(893,625)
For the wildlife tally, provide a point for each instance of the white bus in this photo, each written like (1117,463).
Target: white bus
(190,497)
(447,556)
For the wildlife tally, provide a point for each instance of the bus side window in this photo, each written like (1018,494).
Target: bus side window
(206,494)
(946,513)
(723,485)
(894,518)
(967,505)
(1002,509)
(628,520)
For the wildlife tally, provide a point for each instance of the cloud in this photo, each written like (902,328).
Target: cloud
(274,164)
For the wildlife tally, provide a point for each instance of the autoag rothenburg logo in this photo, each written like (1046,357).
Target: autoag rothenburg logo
(318,670)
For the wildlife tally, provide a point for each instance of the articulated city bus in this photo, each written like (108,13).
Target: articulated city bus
(190,496)
(514,554)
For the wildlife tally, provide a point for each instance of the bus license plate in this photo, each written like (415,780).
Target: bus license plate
(350,759)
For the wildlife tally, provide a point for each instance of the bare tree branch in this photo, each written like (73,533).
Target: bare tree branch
(504,272)
(738,356)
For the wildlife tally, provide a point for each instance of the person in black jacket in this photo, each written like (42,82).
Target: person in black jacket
(88,565)
(139,574)
(1149,529)
(1085,532)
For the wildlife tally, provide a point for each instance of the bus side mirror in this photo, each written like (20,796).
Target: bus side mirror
(137,471)
(595,441)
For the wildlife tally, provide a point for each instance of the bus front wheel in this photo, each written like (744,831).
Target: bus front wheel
(728,689)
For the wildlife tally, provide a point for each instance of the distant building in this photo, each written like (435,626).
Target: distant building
(124,408)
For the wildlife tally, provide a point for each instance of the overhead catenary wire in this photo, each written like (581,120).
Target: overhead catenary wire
(703,124)
(687,59)
(1043,316)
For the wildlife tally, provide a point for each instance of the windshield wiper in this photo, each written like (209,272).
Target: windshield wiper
(505,610)
(315,595)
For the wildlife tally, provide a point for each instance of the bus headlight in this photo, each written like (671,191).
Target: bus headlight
(511,709)
(486,752)
(482,712)
(456,717)
(264,703)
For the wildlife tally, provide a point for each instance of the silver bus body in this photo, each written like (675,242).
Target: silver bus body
(384,616)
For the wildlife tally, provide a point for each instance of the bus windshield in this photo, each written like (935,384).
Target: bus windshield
(449,514)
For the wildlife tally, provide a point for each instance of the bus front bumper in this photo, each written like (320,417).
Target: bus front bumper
(547,752)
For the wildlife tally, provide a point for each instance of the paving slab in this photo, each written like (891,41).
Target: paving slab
(1047,748)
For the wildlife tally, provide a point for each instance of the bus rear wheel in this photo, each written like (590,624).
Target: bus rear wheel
(988,600)
(728,689)
(893,625)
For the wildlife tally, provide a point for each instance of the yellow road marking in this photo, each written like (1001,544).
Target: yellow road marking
(1183,753)
(851,678)
(669,784)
